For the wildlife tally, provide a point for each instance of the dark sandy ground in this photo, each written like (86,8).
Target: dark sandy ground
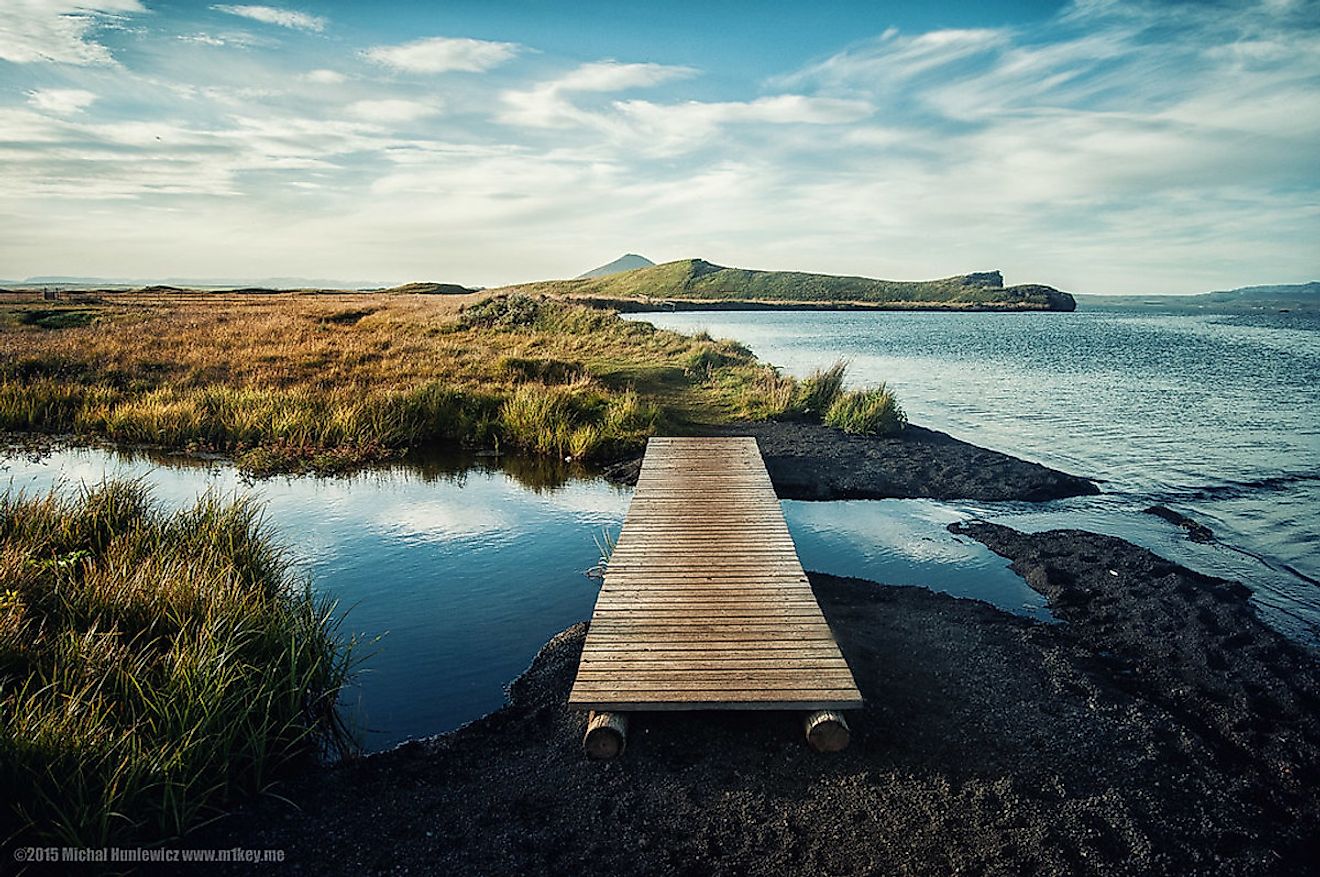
(1162,730)
(813,461)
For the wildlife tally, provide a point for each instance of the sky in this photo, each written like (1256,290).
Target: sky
(1107,146)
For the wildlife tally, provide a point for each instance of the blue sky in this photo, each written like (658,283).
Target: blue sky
(1099,146)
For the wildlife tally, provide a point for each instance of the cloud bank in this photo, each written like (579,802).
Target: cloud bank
(1116,147)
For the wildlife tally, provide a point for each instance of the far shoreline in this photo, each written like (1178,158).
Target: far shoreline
(681,305)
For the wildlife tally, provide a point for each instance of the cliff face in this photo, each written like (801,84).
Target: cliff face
(1054,299)
(990,279)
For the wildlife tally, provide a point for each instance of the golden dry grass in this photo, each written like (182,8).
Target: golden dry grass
(332,380)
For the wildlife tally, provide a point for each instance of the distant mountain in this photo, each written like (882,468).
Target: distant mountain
(626,262)
(1273,297)
(194,282)
(696,283)
(1275,294)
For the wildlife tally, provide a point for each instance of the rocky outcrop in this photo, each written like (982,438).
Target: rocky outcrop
(988,279)
(1054,299)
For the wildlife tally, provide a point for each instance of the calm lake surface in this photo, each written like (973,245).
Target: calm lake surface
(463,568)
(1216,416)
(455,573)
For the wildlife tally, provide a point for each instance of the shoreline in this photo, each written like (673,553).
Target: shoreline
(812,461)
(1161,727)
(807,461)
(1105,744)
(683,305)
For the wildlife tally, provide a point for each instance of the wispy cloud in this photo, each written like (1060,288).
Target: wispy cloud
(654,127)
(58,31)
(62,101)
(442,55)
(672,129)
(274,15)
(699,119)
(893,57)
(550,104)
(324,76)
(393,110)
(204,39)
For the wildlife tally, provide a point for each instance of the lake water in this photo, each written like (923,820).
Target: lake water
(463,568)
(1215,416)
(455,572)
(462,573)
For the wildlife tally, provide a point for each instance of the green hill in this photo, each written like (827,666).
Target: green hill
(698,283)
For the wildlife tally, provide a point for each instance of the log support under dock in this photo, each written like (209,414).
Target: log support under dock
(607,734)
(827,731)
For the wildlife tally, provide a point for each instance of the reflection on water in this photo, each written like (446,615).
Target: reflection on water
(452,465)
(463,572)
(465,566)
(906,542)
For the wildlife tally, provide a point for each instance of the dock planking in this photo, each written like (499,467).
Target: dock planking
(704,603)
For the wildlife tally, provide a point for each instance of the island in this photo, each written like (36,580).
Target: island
(695,284)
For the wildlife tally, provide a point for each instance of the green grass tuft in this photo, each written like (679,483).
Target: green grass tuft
(818,392)
(152,664)
(873,411)
(55,318)
(574,421)
(547,370)
(516,311)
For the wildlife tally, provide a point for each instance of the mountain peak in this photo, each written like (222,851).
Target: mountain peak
(626,262)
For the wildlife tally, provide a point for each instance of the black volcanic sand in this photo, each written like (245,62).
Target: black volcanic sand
(813,461)
(1164,729)
(1189,642)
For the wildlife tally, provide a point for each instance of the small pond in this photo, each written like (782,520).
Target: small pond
(455,571)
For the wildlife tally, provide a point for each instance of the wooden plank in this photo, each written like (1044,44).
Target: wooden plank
(680,663)
(725,646)
(694,678)
(704,603)
(636,704)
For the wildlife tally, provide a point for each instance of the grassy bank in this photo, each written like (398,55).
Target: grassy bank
(333,381)
(152,665)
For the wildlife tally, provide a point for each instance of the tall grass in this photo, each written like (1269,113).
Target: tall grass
(821,397)
(152,664)
(575,421)
(332,382)
(817,393)
(873,411)
(771,395)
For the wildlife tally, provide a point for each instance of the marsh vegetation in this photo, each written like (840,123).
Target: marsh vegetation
(153,664)
(330,382)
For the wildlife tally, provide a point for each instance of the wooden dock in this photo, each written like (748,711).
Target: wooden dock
(705,604)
